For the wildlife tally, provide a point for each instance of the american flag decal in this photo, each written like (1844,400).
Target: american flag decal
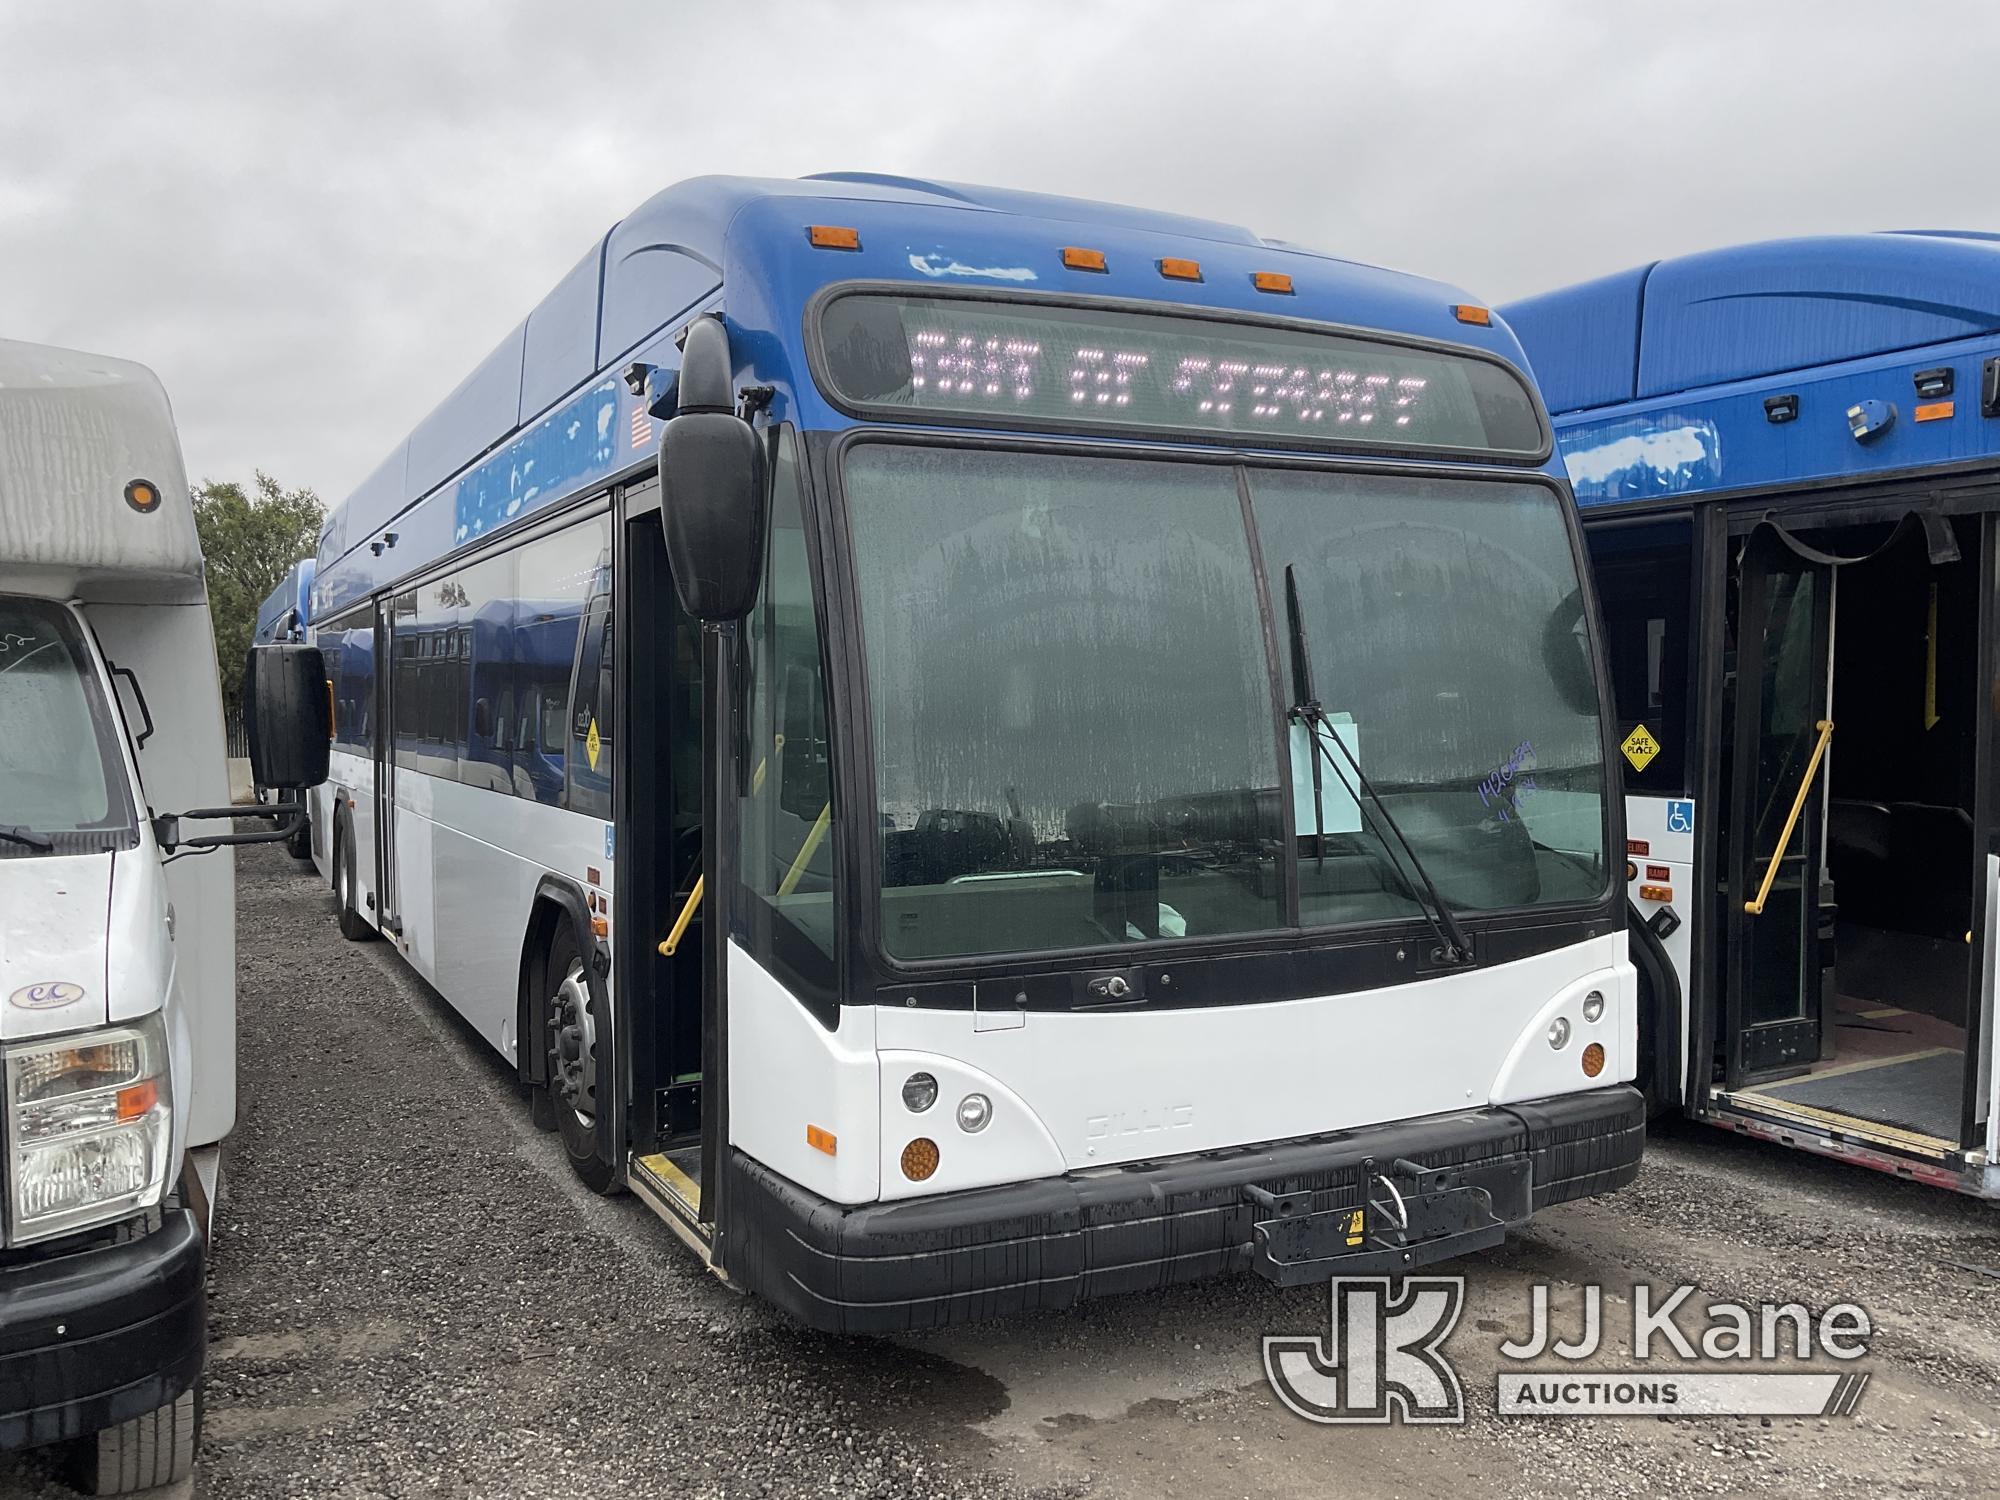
(642,428)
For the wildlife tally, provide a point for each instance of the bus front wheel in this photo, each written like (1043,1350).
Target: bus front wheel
(353,926)
(578,1033)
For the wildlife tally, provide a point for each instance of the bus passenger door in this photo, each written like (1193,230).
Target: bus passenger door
(387,653)
(1772,994)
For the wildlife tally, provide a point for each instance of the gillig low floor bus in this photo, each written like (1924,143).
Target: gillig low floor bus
(1073,760)
(1787,457)
(117,932)
(286,615)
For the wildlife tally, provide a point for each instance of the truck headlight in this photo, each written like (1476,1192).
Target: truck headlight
(89,1125)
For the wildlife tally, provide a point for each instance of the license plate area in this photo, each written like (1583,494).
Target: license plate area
(1409,1216)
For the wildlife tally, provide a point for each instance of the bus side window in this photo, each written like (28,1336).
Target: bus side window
(787,808)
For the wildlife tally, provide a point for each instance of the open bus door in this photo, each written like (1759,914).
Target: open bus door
(1772,988)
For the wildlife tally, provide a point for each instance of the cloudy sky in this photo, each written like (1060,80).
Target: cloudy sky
(313,218)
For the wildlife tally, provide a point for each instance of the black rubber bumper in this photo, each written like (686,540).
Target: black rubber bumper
(98,1335)
(991,1252)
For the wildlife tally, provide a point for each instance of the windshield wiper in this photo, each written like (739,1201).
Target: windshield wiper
(14,833)
(1454,947)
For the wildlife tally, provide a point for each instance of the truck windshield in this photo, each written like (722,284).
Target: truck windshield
(1079,716)
(58,752)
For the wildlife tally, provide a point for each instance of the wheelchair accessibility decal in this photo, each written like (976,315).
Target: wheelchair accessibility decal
(1680,815)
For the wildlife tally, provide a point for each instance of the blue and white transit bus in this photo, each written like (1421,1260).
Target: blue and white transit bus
(1787,459)
(286,613)
(978,749)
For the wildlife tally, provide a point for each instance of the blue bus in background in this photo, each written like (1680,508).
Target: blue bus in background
(976,749)
(1787,460)
(286,613)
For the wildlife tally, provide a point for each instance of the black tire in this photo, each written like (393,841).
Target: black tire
(579,1118)
(353,926)
(154,1449)
(300,844)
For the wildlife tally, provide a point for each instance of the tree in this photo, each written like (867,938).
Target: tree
(249,542)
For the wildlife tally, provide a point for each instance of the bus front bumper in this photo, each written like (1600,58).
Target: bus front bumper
(96,1335)
(990,1252)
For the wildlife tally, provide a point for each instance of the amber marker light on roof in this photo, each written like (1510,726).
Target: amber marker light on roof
(1176,269)
(833,237)
(142,495)
(1079,259)
(1465,312)
(1272,281)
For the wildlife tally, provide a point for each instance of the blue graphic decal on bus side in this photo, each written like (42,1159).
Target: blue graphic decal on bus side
(577,441)
(1662,454)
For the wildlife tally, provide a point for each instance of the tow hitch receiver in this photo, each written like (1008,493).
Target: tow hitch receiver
(1411,1216)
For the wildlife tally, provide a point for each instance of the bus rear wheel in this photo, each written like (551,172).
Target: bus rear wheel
(579,1053)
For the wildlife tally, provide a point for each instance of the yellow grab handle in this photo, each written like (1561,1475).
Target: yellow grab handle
(681,922)
(1756,908)
(806,851)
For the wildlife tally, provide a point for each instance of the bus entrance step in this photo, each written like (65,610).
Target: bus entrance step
(1410,1216)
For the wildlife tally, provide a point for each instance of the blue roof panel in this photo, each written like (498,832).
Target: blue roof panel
(1583,341)
(1754,310)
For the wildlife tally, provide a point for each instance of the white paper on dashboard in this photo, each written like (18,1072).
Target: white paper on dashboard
(1339,812)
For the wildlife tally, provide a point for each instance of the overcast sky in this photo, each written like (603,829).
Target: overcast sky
(312,219)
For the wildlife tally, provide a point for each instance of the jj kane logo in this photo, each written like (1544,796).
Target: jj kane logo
(1382,1359)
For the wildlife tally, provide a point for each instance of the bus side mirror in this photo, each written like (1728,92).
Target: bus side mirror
(288,715)
(711,495)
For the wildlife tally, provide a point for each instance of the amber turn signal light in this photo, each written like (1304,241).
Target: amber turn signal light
(1593,1059)
(920,1159)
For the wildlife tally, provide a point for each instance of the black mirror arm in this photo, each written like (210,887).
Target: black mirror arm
(167,826)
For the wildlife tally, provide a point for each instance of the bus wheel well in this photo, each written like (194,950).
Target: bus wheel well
(555,903)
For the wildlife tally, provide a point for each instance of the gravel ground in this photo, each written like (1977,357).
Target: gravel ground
(411,1297)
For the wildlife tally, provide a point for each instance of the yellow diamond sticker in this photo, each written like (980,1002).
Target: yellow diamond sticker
(1640,747)
(592,744)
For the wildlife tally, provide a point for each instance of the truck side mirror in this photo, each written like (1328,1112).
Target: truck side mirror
(711,494)
(288,713)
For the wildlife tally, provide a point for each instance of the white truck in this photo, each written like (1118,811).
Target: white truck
(117,932)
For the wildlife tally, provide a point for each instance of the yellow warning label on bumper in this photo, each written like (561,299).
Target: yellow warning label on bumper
(1640,747)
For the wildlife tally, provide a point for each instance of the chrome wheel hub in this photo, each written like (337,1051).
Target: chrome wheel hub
(573,1044)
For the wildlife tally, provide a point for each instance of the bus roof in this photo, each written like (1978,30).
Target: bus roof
(671,258)
(94,500)
(293,593)
(1657,376)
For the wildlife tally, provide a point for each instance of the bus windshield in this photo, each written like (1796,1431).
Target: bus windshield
(1078,718)
(55,735)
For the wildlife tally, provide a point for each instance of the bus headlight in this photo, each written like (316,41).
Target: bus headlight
(89,1125)
(1593,1006)
(919,1092)
(1559,1033)
(974,1110)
